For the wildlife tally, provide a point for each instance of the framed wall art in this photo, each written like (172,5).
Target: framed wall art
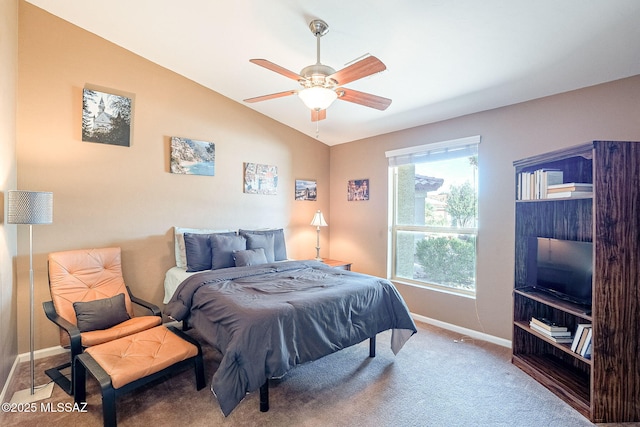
(106,118)
(358,189)
(306,189)
(260,179)
(192,157)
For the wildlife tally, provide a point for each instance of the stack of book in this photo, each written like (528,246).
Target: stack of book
(534,185)
(570,189)
(551,330)
(581,343)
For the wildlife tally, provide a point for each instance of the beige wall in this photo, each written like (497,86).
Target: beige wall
(359,229)
(107,195)
(8,80)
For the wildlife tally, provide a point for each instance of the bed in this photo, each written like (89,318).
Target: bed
(269,317)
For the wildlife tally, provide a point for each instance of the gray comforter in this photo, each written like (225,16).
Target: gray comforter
(269,318)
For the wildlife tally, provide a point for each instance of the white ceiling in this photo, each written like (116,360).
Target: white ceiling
(444,58)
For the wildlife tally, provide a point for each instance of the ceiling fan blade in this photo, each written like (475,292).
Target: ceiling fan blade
(278,69)
(271,96)
(363,68)
(318,115)
(362,98)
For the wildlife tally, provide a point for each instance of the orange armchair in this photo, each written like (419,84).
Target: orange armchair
(91,303)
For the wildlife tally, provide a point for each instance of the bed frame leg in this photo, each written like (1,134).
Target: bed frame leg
(372,346)
(264,397)
(264,390)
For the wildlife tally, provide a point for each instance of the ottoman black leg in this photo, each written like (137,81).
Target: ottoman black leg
(83,363)
(109,407)
(198,362)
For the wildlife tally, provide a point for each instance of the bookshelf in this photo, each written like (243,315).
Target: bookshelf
(605,388)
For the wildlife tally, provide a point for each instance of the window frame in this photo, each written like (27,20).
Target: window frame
(409,155)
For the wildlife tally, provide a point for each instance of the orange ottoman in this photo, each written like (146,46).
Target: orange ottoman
(125,364)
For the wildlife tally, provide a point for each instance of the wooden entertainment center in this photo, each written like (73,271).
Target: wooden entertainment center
(605,387)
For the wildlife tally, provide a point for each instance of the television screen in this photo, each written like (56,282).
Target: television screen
(561,267)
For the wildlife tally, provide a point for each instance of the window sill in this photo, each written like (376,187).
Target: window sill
(443,289)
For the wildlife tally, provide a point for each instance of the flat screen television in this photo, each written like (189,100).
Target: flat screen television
(563,268)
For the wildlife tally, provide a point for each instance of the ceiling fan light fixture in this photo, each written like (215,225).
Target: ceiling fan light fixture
(321,84)
(317,98)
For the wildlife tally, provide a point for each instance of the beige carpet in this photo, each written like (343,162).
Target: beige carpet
(433,381)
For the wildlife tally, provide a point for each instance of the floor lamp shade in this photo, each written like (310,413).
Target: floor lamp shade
(30,207)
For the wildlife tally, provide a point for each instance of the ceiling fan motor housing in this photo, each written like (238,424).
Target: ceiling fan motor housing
(316,75)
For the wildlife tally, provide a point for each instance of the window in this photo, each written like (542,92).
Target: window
(434,214)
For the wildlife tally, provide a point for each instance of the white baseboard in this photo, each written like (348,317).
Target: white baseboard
(6,384)
(463,331)
(24,357)
(41,354)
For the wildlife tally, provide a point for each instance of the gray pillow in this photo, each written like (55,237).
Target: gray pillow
(279,244)
(198,250)
(222,248)
(101,313)
(264,241)
(249,257)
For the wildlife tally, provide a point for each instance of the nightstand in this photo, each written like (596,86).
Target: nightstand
(342,265)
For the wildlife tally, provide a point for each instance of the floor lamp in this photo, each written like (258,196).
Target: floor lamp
(30,207)
(318,221)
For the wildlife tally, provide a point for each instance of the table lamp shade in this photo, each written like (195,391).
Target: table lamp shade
(30,207)
(318,220)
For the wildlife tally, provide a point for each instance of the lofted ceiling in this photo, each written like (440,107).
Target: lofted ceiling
(444,58)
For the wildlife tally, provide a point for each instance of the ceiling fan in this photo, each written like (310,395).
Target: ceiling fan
(321,84)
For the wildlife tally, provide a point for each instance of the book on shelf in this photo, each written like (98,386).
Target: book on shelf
(583,339)
(548,333)
(586,345)
(570,194)
(547,177)
(562,340)
(547,324)
(570,186)
(577,337)
(533,185)
(523,186)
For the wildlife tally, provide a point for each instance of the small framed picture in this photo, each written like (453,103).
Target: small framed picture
(260,179)
(106,118)
(358,189)
(306,189)
(192,157)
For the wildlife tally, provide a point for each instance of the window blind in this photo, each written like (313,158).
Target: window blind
(462,147)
